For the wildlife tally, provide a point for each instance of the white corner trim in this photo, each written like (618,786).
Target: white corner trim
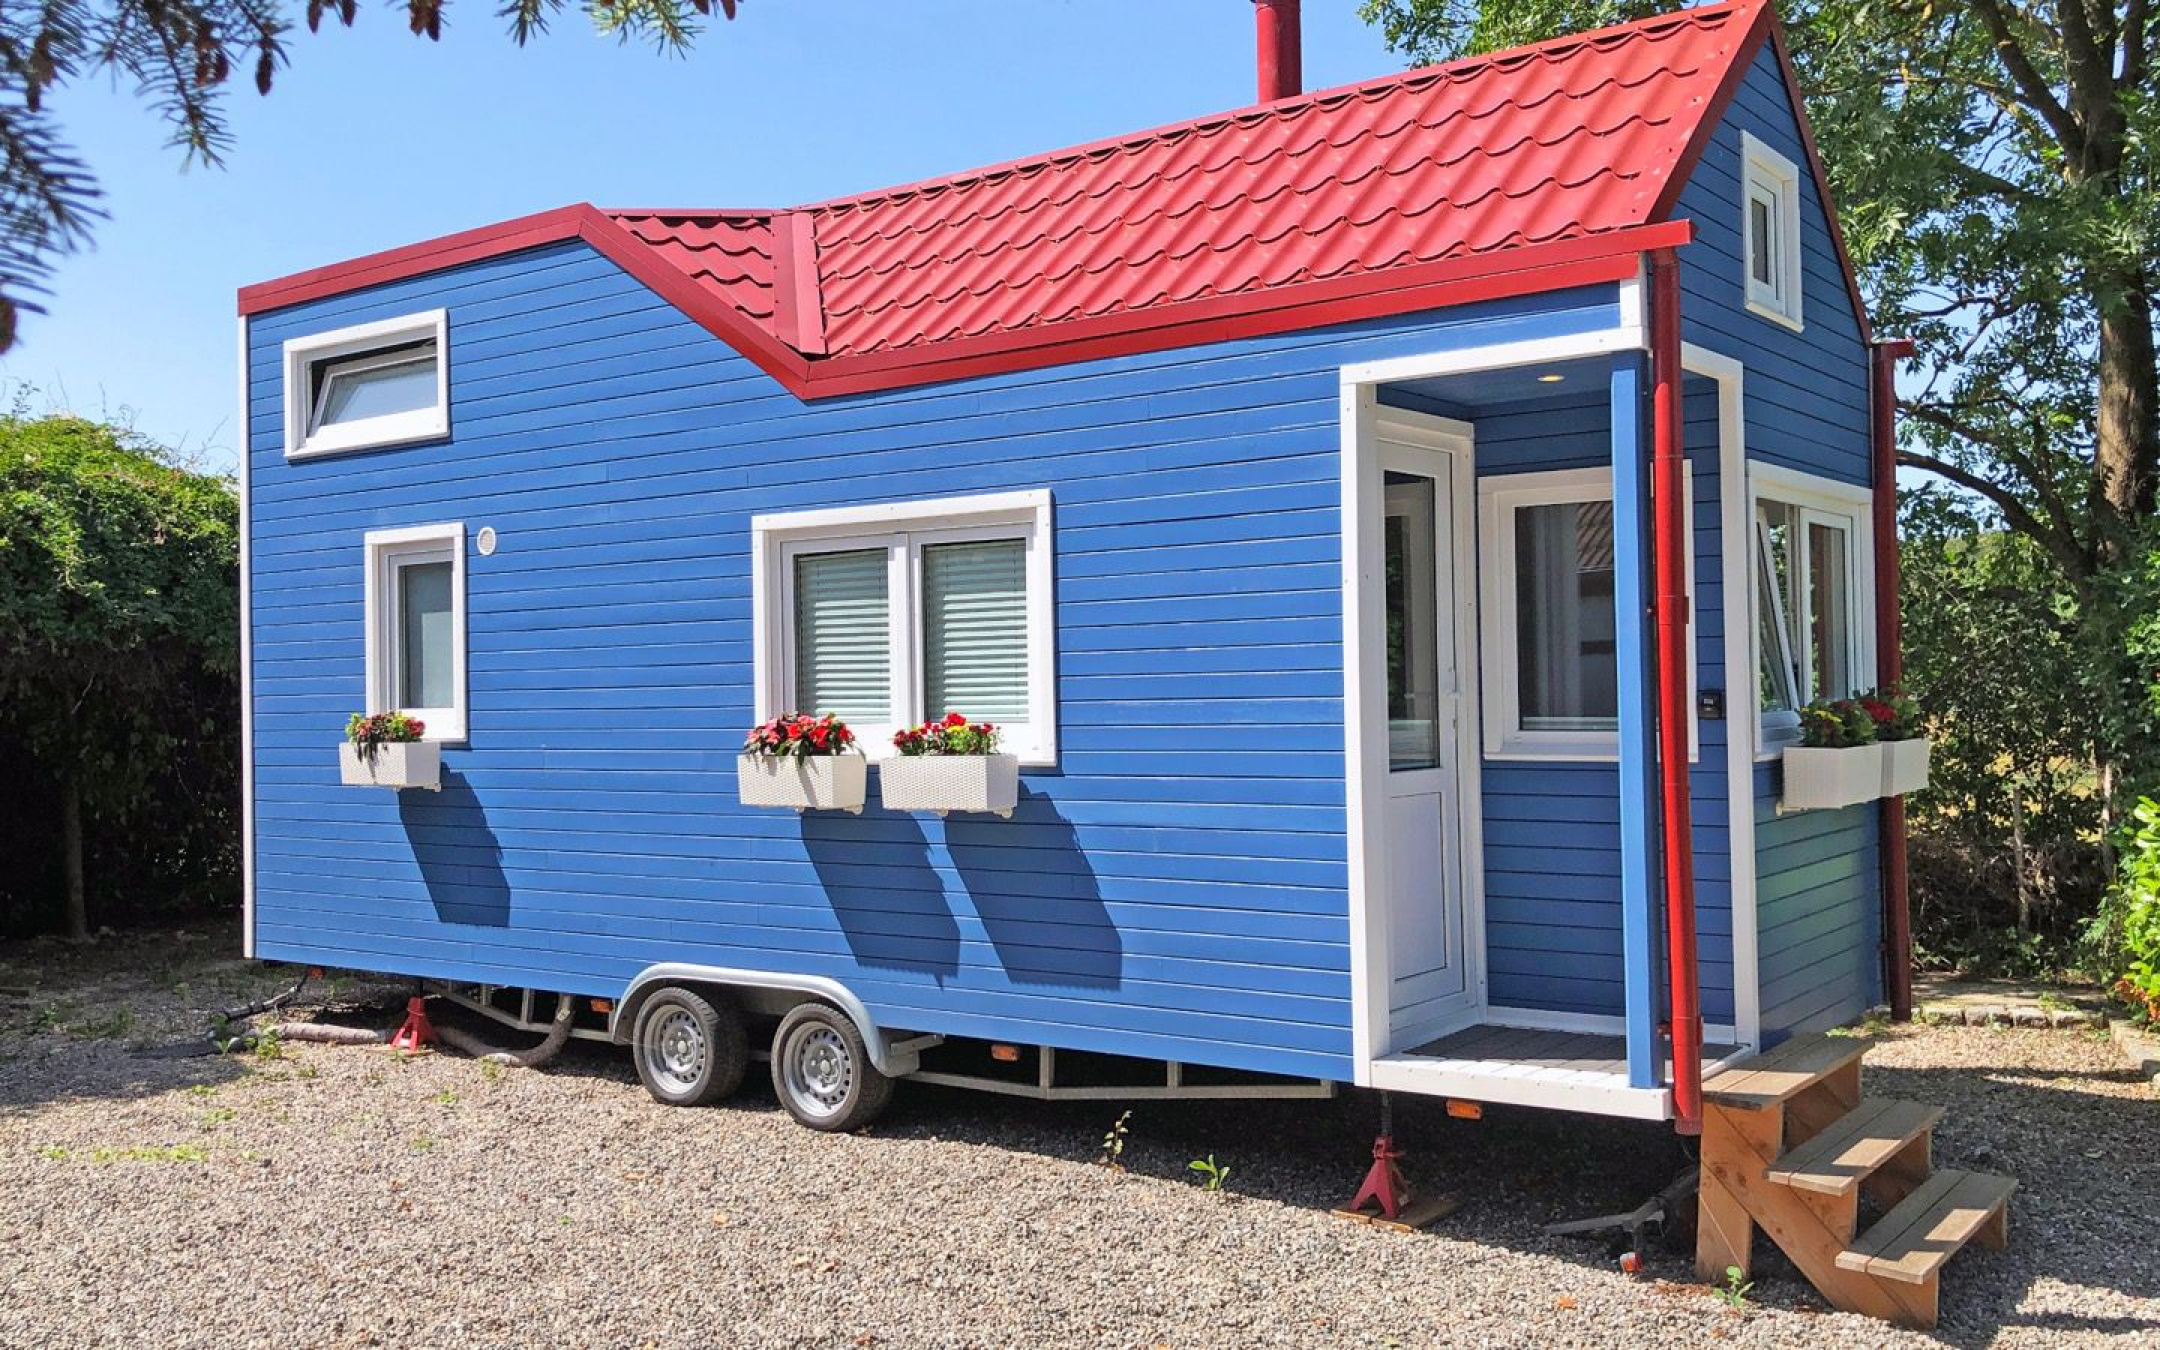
(381,548)
(1500,496)
(245,443)
(1736,513)
(902,529)
(303,354)
(1362,582)
(1780,178)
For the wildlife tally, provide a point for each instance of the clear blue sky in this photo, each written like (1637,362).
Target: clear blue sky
(373,138)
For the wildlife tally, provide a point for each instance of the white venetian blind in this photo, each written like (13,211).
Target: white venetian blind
(843,637)
(975,652)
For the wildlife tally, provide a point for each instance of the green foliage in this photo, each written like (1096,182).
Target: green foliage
(119,653)
(1113,1143)
(2006,857)
(1897,714)
(1836,724)
(2128,927)
(1734,1292)
(1212,1175)
(181,56)
(389,728)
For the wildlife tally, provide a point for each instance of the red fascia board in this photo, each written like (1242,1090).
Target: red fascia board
(1595,260)
(429,255)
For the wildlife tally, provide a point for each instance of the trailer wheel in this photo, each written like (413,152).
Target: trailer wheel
(822,1072)
(689,1052)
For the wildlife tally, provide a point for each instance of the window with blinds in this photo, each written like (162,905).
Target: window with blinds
(975,657)
(843,636)
(896,613)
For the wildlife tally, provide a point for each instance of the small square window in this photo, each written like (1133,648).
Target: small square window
(1550,634)
(416,626)
(891,615)
(1770,232)
(362,388)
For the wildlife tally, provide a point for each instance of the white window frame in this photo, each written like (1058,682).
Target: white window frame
(1821,501)
(304,355)
(903,530)
(1769,176)
(1500,497)
(387,550)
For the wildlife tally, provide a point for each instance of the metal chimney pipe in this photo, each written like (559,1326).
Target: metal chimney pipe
(1282,72)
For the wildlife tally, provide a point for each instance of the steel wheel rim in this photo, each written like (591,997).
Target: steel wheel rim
(676,1048)
(820,1071)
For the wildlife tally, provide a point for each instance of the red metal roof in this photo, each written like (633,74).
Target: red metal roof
(1517,163)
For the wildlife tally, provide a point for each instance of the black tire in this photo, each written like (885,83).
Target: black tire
(689,1050)
(822,1073)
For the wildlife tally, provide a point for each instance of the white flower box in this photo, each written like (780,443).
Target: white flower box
(944,783)
(395,764)
(1905,766)
(1817,779)
(808,783)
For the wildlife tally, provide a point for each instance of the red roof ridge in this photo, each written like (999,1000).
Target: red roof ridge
(1460,67)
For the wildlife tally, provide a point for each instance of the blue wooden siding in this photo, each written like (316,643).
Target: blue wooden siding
(1552,829)
(1817,882)
(1175,889)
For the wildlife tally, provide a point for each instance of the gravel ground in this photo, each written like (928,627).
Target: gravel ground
(347,1197)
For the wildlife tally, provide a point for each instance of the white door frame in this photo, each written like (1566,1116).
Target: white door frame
(1365,704)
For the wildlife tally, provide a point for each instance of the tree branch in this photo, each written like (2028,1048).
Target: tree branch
(2064,551)
(2033,89)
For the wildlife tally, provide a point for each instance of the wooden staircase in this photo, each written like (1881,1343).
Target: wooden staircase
(1789,1144)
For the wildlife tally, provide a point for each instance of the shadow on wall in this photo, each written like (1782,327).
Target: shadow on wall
(887,898)
(460,858)
(1037,896)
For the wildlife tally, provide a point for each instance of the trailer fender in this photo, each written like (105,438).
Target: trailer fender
(773,989)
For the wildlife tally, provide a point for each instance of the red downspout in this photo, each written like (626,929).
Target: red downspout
(1669,531)
(1890,664)
(1282,73)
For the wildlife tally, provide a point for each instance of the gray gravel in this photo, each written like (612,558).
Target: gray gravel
(347,1197)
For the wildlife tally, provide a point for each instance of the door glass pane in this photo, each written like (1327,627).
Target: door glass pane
(424,636)
(359,388)
(1829,610)
(1568,676)
(1413,627)
(843,637)
(975,650)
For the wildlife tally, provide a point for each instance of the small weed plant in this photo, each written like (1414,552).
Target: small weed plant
(1113,1144)
(1734,1292)
(1212,1173)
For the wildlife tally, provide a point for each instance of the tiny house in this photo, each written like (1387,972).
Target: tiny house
(1394,529)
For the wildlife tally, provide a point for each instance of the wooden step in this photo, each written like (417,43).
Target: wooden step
(1854,1147)
(1771,1078)
(1910,1243)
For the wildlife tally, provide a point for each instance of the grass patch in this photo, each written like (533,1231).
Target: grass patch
(176,1153)
(214,1117)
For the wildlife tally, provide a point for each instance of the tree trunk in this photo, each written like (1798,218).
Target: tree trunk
(2017,855)
(71,843)
(2126,442)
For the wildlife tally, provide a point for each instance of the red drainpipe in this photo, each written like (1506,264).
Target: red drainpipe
(1282,73)
(1669,532)
(1890,663)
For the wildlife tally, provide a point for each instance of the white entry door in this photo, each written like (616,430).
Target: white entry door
(1421,837)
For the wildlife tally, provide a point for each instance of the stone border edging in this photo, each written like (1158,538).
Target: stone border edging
(2140,1049)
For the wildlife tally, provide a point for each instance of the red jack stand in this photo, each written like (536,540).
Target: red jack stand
(1386,1198)
(417,1031)
(1384,1185)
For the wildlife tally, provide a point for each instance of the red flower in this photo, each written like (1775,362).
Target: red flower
(953,719)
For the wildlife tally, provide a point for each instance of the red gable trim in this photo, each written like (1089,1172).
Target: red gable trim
(429,255)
